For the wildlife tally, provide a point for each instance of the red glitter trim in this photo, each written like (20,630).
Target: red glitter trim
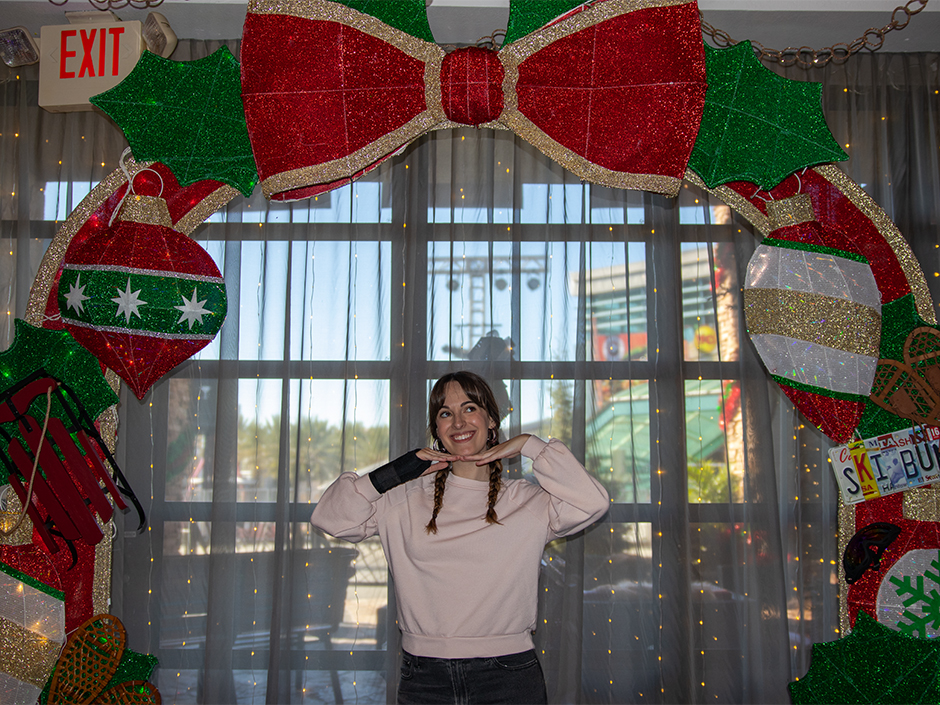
(144,246)
(815,233)
(56,570)
(837,418)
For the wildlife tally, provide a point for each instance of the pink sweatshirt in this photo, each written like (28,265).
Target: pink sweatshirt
(471,589)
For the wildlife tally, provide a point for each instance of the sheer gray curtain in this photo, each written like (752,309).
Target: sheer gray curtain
(608,319)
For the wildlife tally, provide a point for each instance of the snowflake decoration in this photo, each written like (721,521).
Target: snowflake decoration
(909,595)
(913,593)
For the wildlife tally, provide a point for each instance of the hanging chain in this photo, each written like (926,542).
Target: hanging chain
(806,57)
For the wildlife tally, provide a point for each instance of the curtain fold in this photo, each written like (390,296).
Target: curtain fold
(609,319)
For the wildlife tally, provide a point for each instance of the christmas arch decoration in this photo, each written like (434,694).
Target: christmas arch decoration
(698,135)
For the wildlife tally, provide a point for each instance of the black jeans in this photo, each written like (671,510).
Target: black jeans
(513,678)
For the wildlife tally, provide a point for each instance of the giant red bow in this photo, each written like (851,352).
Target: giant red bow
(613,91)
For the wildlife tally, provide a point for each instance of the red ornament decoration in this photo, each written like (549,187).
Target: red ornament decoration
(813,312)
(141,296)
(613,92)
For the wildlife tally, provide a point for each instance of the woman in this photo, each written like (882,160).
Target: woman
(464,545)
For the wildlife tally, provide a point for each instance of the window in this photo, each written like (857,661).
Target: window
(549,288)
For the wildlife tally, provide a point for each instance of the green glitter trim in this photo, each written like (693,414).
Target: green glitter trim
(409,16)
(158,297)
(526,16)
(845,396)
(807,247)
(32,582)
(873,664)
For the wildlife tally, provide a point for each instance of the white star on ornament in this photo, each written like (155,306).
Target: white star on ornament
(76,296)
(128,302)
(192,310)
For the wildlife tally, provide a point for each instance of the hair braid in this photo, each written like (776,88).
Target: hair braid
(496,482)
(440,482)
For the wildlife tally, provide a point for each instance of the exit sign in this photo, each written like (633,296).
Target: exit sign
(78,61)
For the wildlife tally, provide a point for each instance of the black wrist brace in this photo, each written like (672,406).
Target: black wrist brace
(401,470)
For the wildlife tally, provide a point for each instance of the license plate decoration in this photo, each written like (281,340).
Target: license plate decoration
(882,465)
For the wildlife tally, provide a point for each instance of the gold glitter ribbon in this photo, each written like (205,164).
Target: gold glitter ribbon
(26,655)
(101,585)
(790,211)
(836,323)
(149,210)
(195,216)
(846,523)
(8,518)
(922,504)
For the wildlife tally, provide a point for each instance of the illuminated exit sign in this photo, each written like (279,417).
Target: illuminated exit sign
(78,61)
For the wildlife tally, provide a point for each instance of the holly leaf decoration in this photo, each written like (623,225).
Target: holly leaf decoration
(188,115)
(758,126)
(58,353)
(874,664)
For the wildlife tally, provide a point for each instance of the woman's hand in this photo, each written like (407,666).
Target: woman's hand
(508,449)
(439,459)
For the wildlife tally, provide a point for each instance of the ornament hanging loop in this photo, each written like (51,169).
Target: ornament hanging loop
(122,163)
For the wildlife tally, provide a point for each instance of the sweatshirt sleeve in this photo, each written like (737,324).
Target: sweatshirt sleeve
(577,500)
(347,510)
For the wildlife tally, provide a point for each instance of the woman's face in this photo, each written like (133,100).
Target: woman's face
(462,425)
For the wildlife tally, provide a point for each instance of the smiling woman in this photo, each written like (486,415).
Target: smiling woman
(467,593)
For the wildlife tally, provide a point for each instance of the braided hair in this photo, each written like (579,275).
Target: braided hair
(479,392)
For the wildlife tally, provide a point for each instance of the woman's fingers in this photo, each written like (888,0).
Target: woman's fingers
(435,455)
(508,449)
(436,467)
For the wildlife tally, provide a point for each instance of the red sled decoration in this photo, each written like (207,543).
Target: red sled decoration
(58,482)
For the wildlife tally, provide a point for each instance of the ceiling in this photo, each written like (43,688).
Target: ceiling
(813,23)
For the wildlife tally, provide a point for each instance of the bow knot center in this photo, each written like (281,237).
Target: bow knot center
(472,85)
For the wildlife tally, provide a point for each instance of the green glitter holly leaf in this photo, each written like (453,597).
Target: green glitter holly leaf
(874,664)
(58,353)
(410,16)
(188,115)
(526,16)
(758,126)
